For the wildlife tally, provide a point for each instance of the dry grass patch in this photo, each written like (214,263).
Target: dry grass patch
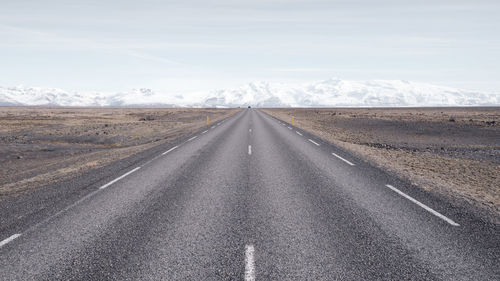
(451,151)
(42,145)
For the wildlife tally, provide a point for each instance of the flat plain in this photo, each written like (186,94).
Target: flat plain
(42,145)
(251,197)
(450,151)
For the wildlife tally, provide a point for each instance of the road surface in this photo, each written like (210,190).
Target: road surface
(252,198)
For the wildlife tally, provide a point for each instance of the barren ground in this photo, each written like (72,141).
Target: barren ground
(450,151)
(42,145)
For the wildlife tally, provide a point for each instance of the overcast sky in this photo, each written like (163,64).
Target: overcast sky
(179,46)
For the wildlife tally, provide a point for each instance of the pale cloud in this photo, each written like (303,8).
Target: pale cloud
(304,69)
(23,37)
(112,44)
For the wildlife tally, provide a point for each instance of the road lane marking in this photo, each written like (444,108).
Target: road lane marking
(204,131)
(192,138)
(345,160)
(314,142)
(250,130)
(290,128)
(119,178)
(249,263)
(298,133)
(218,124)
(429,209)
(169,150)
(249,150)
(7,240)
(213,126)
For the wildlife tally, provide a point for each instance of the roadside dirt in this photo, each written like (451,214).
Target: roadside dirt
(44,145)
(450,151)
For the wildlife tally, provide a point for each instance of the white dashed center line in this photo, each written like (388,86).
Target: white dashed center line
(429,209)
(342,159)
(314,142)
(5,241)
(290,128)
(249,150)
(192,138)
(119,178)
(249,263)
(298,133)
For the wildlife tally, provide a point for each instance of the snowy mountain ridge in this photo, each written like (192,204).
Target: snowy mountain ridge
(336,92)
(34,96)
(327,93)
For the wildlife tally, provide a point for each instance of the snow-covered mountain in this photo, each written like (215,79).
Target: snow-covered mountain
(24,96)
(336,92)
(332,92)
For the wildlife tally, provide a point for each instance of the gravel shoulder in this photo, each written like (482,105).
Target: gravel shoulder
(40,145)
(450,151)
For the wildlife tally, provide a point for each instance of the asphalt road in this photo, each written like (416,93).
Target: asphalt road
(252,199)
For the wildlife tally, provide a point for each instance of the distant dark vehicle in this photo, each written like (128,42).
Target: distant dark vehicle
(249,107)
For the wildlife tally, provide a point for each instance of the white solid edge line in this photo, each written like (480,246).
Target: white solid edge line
(192,138)
(314,142)
(119,178)
(429,209)
(7,240)
(298,133)
(169,150)
(345,160)
(249,150)
(249,263)
(204,131)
